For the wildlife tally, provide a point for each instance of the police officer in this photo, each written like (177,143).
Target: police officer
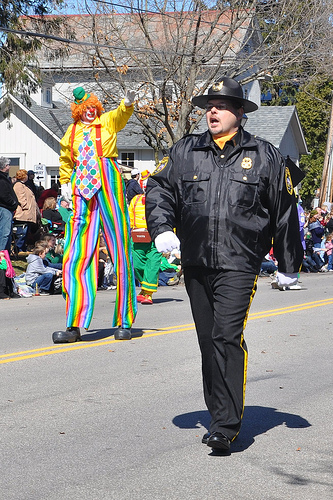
(228,194)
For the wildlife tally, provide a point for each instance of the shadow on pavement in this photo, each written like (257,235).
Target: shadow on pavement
(257,420)
(94,335)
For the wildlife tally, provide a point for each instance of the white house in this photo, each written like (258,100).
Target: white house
(31,136)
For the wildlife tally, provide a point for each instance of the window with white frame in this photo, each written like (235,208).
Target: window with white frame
(127,159)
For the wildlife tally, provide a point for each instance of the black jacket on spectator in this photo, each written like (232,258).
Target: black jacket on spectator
(133,188)
(8,198)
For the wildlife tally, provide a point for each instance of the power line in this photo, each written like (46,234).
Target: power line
(76,42)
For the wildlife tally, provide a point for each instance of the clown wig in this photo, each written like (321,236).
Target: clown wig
(79,109)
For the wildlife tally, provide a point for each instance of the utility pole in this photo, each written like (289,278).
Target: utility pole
(326,186)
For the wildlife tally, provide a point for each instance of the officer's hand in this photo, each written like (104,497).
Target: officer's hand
(286,279)
(167,241)
(129,97)
(66,191)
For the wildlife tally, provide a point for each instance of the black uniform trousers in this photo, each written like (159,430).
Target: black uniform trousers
(220,302)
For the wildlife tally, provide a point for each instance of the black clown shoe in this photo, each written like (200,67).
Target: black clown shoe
(71,334)
(122,333)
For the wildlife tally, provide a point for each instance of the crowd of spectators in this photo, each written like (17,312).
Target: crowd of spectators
(26,207)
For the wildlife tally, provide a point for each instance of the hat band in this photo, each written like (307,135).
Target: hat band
(84,98)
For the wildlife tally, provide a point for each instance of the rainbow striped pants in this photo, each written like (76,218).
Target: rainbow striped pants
(106,210)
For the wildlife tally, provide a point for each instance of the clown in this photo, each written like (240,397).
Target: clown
(90,177)
(146,259)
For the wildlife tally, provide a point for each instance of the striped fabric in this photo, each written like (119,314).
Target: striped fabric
(107,210)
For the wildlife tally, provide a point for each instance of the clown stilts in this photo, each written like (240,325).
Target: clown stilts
(89,175)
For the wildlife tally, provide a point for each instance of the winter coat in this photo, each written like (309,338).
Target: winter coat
(8,198)
(27,211)
(36,268)
(53,215)
(228,205)
(317,231)
(133,188)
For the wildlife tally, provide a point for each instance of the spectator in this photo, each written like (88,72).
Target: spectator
(30,183)
(316,229)
(102,260)
(48,193)
(53,258)
(8,205)
(329,248)
(312,261)
(64,209)
(133,187)
(3,268)
(37,273)
(40,190)
(329,223)
(50,212)
(268,266)
(168,271)
(27,212)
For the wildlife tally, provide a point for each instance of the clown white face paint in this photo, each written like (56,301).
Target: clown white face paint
(89,115)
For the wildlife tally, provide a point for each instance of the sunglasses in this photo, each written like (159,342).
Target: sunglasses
(219,107)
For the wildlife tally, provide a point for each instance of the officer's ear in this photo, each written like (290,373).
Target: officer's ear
(240,113)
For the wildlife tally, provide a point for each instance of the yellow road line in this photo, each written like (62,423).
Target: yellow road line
(60,348)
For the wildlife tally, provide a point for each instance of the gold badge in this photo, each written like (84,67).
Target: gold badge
(246,163)
(217,86)
(162,164)
(289,182)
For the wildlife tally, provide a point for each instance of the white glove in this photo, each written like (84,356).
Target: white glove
(167,241)
(66,191)
(286,279)
(129,97)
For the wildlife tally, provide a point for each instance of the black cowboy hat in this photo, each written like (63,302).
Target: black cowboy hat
(226,88)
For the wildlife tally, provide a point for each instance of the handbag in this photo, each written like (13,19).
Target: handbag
(140,235)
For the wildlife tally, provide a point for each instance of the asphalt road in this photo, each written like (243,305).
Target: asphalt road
(102,419)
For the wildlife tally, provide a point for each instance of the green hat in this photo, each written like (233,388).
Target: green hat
(80,95)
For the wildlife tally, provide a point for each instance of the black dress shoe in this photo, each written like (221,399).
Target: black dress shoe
(71,334)
(219,441)
(205,437)
(122,333)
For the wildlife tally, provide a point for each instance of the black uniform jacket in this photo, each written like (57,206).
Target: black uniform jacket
(8,198)
(226,211)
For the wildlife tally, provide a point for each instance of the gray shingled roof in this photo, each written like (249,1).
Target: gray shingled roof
(58,118)
(270,122)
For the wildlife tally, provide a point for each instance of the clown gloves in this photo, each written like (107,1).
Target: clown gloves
(167,241)
(286,279)
(129,97)
(66,191)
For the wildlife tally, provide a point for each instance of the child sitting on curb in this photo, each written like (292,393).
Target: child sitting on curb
(37,273)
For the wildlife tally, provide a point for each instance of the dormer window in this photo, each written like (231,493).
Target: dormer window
(47,96)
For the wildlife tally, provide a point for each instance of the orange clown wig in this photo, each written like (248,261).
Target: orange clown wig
(79,109)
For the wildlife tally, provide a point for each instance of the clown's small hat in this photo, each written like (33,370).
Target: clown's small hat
(80,95)
(145,174)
